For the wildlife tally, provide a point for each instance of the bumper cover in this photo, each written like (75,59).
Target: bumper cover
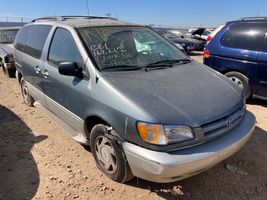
(166,167)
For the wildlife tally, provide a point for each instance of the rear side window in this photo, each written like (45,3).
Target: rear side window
(264,44)
(63,48)
(36,38)
(246,36)
(21,38)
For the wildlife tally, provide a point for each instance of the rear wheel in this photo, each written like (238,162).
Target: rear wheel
(242,81)
(109,156)
(27,98)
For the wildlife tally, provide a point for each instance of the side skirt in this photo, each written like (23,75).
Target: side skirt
(74,134)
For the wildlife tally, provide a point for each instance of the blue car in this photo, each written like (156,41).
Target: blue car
(239,51)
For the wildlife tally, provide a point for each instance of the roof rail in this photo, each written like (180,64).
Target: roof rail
(62,18)
(253,18)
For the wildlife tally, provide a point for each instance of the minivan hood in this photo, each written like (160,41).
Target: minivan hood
(189,94)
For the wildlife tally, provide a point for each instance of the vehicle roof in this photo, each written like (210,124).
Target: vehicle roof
(250,19)
(82,21)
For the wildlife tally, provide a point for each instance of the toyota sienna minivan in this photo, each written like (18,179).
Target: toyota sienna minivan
(145,108)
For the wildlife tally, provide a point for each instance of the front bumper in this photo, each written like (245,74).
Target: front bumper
(166,167)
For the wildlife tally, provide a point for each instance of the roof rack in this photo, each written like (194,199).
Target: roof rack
(253,18)
(63,18)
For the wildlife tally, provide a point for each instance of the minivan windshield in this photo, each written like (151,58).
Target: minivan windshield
(7,36)
(124,48)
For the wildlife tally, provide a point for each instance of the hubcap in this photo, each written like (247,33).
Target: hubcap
(25,92)
(237,81)
(106,155)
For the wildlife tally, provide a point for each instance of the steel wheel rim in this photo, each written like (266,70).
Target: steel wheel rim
(237,81)
(25,92)
(105,154)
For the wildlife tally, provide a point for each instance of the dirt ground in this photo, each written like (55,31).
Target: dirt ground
(39,160)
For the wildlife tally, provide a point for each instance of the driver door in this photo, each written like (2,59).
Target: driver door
(63,93)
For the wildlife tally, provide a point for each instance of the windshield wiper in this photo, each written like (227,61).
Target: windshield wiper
(167,63)
(122,68)
(170,62)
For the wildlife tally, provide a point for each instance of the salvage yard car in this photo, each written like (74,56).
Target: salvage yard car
(186,44)
(7,36)
(239,50)
(145,108)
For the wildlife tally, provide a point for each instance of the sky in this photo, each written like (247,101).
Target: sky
(164,13)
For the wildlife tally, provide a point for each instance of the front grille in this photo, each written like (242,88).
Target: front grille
(224,124)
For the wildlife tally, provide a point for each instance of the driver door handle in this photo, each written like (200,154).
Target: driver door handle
(37,69)
(45,73)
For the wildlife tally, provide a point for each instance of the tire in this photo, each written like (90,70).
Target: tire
(27,98)
(242,81)
(109,156)
(8,72)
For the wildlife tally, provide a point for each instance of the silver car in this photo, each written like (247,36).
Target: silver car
(145,108)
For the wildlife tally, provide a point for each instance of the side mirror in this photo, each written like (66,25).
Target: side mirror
(70,69)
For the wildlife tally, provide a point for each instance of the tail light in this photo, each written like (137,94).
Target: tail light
(209,38)
(206,53)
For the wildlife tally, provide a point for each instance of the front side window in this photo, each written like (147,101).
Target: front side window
(63,48)
(246,36)
(127,46)
(7,36)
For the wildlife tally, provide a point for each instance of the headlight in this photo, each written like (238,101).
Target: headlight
(152,133)
(178,133)
(162,135)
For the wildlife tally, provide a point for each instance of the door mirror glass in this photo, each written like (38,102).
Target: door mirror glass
(70,69)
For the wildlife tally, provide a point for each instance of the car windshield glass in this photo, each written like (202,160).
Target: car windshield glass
(7,36)
(127,46)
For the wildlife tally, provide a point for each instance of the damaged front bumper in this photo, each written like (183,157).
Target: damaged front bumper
(166,167)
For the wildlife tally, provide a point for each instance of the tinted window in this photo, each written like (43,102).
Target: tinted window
(264,44)
(36,39)
(63,48)
(244,36)
(21,38)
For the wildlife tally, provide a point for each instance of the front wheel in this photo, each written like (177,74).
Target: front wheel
(27,98)
(109,156)
(242,81)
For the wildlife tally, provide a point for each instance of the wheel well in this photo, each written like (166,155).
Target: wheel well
(234,70)
(90,122)
(250,83)
(19,77)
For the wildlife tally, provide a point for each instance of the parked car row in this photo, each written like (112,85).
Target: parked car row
(145,108)
(180,42)
(7,36)
(189,42)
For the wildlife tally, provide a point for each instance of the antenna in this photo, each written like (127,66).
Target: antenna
(87,7)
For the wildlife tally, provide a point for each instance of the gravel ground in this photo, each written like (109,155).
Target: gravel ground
(39,160)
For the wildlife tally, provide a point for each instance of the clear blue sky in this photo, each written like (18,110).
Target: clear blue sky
(174,13)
